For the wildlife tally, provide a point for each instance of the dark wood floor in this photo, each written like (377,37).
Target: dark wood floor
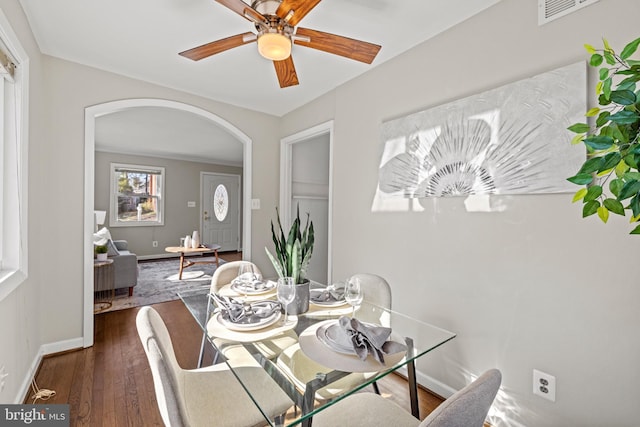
(110,384)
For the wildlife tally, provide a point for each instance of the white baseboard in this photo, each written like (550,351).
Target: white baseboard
(45,349)
(438,387)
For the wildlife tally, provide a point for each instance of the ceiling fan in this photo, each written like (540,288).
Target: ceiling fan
(275,22)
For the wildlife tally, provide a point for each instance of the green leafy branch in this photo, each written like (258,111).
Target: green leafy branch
(612,141)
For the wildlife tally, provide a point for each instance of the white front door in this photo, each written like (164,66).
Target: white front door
(221,210)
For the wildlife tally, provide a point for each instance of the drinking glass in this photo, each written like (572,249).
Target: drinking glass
(286,293)
(353,294)
(246,275)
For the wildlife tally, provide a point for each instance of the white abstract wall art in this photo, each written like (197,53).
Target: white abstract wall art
(509,140)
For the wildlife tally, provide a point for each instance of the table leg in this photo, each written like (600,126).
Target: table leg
(413,385)
(217,259)
(181,265)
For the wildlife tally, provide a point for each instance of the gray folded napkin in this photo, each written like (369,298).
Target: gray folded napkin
(369,339)
(249,281)
(327,294)
(239,312)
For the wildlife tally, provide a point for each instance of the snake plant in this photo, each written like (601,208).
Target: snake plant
(293,253)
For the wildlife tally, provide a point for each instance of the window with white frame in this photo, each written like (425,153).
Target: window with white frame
(14,78)
(136,195)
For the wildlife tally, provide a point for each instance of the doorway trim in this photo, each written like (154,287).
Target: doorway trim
(286,152)
(240,206)
(90,115)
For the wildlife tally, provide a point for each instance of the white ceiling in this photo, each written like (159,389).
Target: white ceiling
(142,38)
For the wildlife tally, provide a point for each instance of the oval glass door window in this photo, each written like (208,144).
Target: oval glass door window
(221,202)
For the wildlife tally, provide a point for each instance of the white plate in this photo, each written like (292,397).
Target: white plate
(330,303)
(256,323)
(241,288)
(331,336)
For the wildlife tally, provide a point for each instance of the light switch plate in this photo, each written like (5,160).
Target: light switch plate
(255,204)
(191,204)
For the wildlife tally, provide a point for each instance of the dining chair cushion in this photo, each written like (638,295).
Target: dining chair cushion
(205,396)
(365,410)
(301,369)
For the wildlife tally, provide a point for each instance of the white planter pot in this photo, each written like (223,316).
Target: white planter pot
(101,257)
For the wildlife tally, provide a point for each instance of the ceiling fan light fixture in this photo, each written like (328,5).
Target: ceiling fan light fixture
(274,46)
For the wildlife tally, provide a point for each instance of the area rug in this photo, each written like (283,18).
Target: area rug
(158,282)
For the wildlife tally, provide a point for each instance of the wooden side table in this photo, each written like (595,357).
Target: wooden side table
(184,263)
(103,284)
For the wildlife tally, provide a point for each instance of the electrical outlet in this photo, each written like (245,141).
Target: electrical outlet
(154,244)
(3,375)
(544,385)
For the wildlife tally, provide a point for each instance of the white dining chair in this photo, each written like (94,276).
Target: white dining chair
(301,369)
(270,349)
(466,408)
(205,396)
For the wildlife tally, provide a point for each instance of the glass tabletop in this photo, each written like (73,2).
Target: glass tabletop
(317,368)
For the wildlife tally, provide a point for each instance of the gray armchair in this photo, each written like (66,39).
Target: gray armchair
(125,265)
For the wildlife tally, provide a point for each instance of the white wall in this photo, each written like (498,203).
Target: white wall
(45,313)
(523,288)
(20,311)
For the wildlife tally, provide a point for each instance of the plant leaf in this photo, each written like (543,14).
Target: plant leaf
(606,88)
(595,60)
(623,97)
(615,186)
(608,56)
(579,128)
(603,214)
(630,49)
(592,165)
(592,112)
(609,161)
(635,205)
(599,142)
(624,117)
(602,118)
(590,208)
(589,48)
(581,179)
(629,189)
(577,139)
(579,195)
(636,230)
(593,193)
(603,73)
(614,206)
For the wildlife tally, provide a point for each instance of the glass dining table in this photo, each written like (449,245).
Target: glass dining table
(416,339)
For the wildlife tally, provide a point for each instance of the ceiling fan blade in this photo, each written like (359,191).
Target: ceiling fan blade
(206,50)
(243,9)
(300,8)
(286,72)
(338,45)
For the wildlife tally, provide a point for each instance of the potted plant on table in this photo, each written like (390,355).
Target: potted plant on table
(292,256)
(613,143)
(101,252)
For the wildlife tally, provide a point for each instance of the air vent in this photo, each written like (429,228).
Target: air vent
(548,10)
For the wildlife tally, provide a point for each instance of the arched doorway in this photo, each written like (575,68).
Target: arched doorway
(93,112)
